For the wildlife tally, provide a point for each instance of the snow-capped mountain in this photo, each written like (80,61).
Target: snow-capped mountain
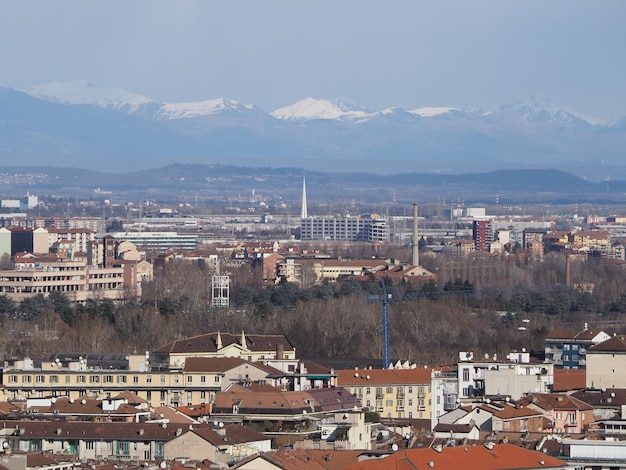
(310,109)
(539,109)
(201,108)
(83,92)
(44,123)
(429,111)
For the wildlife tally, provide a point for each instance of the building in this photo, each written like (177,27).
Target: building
(160,241)
(606,363)
(250,347)
(392,393)
(488,457)
(367,228)
(564,413)
(76,280)
(483,234)
(568,349)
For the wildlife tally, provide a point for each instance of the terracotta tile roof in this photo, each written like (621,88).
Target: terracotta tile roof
(233,434)
(615,344)
(280,402)
(130,397)
(569,379)
(561,333)
(352,378)
(45,460)
(456,428)
(195,411)
(554,401)
(500,457)
(588,335)
(509,412)
(307,459)
(89,430)
(173,415)
(605,398)
(212,364)
(208,343)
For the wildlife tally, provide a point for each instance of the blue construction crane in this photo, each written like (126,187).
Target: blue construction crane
(387,298)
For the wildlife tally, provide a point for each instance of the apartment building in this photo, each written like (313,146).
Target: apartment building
(568,349)
(184,372)
(369,228)
(75,279)
(392,393)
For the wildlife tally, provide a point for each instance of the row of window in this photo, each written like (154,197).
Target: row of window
(107,379)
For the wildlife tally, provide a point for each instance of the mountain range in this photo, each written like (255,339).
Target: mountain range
(74,124)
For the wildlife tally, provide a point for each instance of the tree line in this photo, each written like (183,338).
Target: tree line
(476,304)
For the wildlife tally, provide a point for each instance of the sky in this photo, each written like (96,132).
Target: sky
(377,54)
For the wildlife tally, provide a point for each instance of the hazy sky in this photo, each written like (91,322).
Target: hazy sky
(271,53)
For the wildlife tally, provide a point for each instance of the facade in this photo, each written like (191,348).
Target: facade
(175,375)
(568,349)
(606,364)
(483,234)
(76,280)
(160,241)
(565,414)
(392,393)
(250,347)
(368,228)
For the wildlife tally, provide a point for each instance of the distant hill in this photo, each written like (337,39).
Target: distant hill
(510,186)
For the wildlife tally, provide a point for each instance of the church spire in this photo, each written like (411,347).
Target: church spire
(219,340)
(304,214)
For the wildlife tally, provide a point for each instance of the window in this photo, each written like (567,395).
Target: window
(148,379)
(202,395)
(68,379)
(217,379)
(26,379)
(13,379)
(203,379)
(163,395)
(54,379)
(575,347)
(466,375)
(40,379)
(190,379)
(149,395)
(176,379)
(121,379)
(368,403)
(90,445)
(94,379)
(389,403)
(162,379)
(368,390)
(389,390)
(410,389)
(108,379)
(410,402)
(81,379)
(566,347)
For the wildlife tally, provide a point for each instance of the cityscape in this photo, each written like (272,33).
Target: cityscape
(312,235)
(279,335)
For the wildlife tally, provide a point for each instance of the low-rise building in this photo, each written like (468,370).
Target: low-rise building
(392,393)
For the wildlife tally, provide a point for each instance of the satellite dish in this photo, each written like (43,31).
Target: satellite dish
(221,425)
(394,447)
(486,355)
(163,465)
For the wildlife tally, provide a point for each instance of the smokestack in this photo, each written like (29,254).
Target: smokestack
(416,256)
